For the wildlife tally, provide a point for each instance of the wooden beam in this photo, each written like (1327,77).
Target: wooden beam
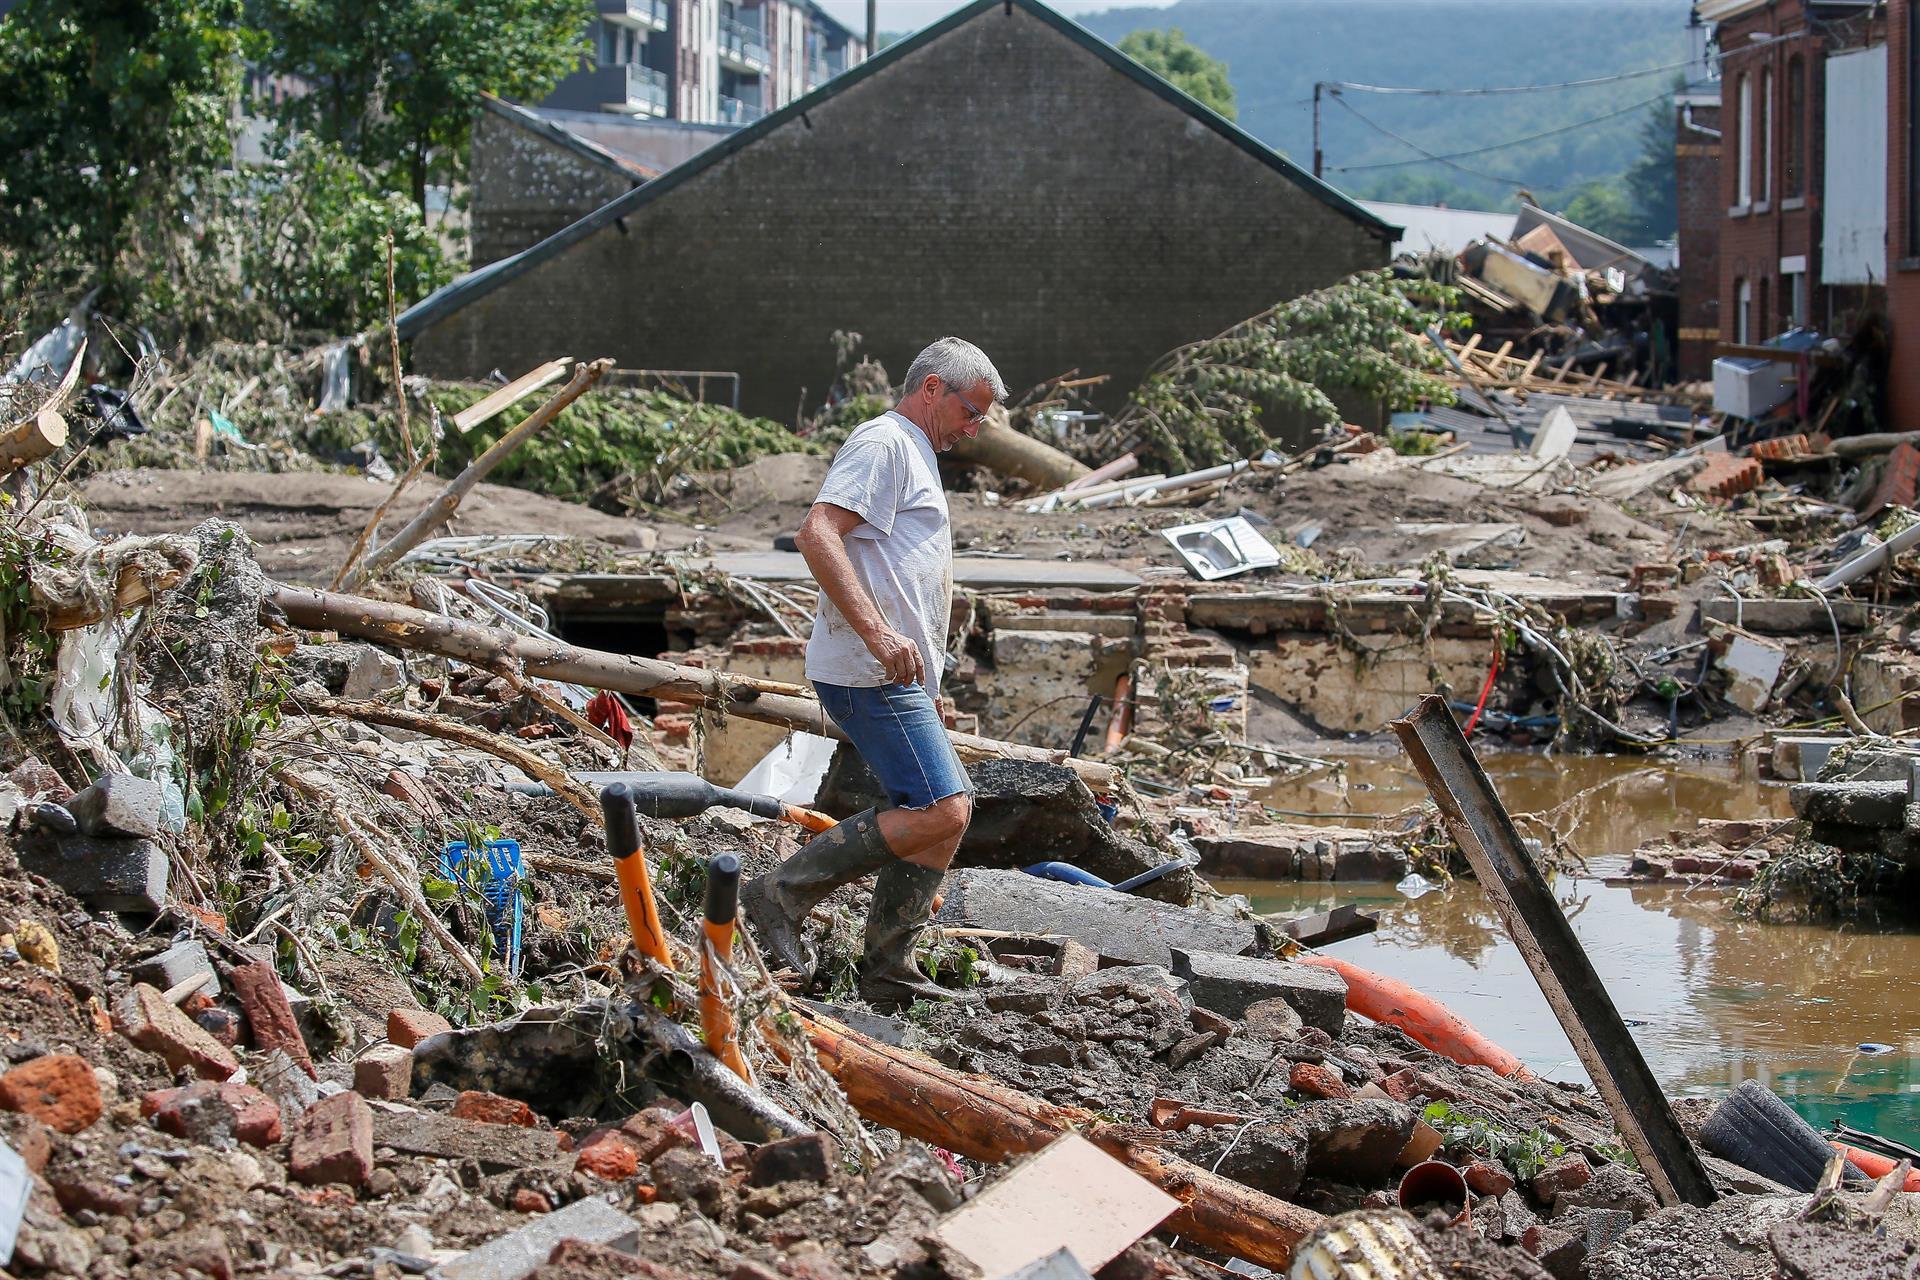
(499,401)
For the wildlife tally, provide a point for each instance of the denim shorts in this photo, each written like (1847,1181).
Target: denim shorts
(897,730)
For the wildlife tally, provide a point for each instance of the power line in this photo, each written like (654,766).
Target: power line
(1407,142)
(1512,88)
(1498,146)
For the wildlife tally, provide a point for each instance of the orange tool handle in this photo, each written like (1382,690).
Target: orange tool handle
(630,868)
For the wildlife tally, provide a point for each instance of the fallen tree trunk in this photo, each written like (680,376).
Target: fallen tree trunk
(441,509)
(981,1118)
(1004,451)
(25,443)
(408,628)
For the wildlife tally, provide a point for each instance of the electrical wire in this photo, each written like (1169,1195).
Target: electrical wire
(1513,88)
(1408,142)
(1498,146)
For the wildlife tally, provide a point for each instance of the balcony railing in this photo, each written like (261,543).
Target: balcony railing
(636,13)
(646,88)
(745,45)
(818,72)
(735,111)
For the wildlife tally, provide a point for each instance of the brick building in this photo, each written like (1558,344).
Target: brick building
(1903,213)
(1003,174)
(1701,208)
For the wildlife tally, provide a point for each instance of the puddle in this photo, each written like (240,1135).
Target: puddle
(1610,804)
(1711,999)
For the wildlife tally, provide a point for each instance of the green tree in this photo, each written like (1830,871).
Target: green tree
(1650,178)
(1169,55)
(394,83)
(1604,207)
(113,118)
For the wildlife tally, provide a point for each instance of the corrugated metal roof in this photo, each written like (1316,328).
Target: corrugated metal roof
(1428,226)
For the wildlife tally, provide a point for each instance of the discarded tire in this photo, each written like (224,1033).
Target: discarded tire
(1757,1131)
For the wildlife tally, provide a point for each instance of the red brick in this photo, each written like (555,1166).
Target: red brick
(385,1071)
(1726,476)
(257,987)
(333,1142)
(527,1200)
(31,1142)
(654,1132)
(1898,480)
(256,1117)
(1317,1081)
(676,728)
(144,1017)
(1565,1174)
(59,1090)
(609,1154)
(1487,1179)
(491,1108)
(408,1027)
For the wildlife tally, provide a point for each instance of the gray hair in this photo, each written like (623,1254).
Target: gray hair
(957,363)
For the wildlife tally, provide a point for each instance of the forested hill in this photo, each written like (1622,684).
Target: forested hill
(1276,49)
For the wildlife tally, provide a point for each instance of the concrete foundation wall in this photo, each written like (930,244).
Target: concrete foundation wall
(1002,182)
(1322,680)
(525,188)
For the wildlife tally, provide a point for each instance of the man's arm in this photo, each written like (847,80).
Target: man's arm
(822,540)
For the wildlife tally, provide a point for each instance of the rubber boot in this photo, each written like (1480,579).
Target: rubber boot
(902,904)
(778,902)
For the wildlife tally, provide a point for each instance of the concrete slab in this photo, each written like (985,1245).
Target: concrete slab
(1117,925)
(521,1253)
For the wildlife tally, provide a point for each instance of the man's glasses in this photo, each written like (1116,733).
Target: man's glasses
(973,415)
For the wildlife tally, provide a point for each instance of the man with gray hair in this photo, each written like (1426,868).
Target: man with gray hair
(879,544)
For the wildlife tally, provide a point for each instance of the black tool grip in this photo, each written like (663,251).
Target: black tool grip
(723,888)
(623,822)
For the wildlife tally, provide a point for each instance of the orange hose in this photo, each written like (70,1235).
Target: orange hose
(643,917)
(1875,1165)
(1389,1000)
(716,1017)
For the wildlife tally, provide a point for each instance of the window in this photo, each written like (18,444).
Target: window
(1793,292)
(1742,312)
(1764,326)
(1795,183)
(1766,135)
(1743,130)
(1913,132)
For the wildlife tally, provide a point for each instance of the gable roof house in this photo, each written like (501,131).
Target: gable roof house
(1003,174)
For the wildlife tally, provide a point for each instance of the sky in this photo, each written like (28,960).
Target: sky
(911,15)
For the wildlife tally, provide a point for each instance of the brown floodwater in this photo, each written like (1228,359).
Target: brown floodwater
(1711,998)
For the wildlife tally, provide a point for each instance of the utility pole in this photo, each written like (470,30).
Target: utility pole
(873,27)
(1317,86)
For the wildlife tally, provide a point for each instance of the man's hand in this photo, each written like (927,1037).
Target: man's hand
(899,657)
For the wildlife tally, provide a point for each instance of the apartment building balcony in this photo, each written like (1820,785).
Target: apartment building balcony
(630,88)
(739,111)
(643,15)
(817,72)
(742,47)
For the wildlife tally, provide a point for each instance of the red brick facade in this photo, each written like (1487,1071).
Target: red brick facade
(1697,180)
(1903,220)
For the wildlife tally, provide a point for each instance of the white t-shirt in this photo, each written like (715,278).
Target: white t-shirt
(902,552)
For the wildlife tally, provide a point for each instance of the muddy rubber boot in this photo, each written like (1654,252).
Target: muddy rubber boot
(778,902)
(902,906)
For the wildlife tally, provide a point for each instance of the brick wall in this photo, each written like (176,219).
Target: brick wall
(1002,183)
(1697,177)
(526,187)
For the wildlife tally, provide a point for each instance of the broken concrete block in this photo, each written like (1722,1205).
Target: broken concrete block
(1752,666)
(118,804)
(1859,804)
(385,1071)
(175,965)
(1071,1196)
(1118,926)
(1291,851)
(143,1016)
(373,672)
(495,1146)
(810,1157)
(333,1142)
(104,872)
(521,1253)
(1800,757)
(1232,984)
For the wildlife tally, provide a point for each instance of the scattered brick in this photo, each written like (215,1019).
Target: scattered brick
(1726,476)
(411,791)
(144,1017)
(1317,1081)
(1485,1178)
(609,1154)
(385,1072)
(222,1024)
(75,1194)
(252,1116)
(655,1134)
(1563,1175)
(491,1108)
(333,1142)
(527,1200)
(408,1027)
(676,728)
(257,987)
(31,1141)
(59,1090)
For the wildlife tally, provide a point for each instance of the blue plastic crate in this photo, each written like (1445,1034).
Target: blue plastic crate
(497,875)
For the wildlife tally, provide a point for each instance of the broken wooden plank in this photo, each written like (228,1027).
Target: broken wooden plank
(1325,927)
(498,402)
